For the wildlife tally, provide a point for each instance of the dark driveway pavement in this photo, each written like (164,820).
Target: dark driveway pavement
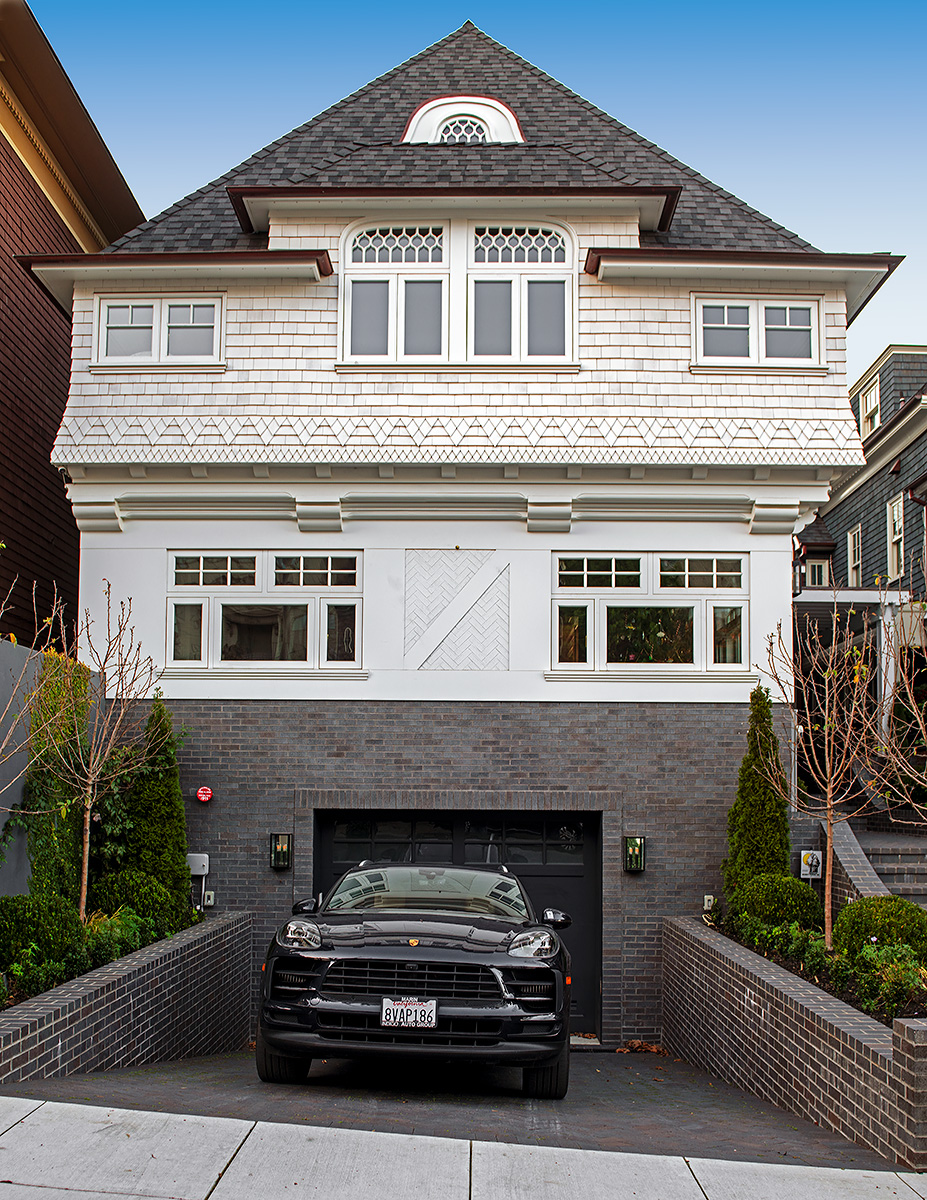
(639,1103)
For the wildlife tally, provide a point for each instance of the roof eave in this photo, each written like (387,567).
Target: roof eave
(56,274)
(655,205)
(860,274)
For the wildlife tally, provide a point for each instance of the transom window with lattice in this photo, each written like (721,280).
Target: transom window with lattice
(518,244)
(399,244)
(463,130)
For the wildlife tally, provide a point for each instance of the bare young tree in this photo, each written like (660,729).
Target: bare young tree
(827,682)
(96,716)
(896,747)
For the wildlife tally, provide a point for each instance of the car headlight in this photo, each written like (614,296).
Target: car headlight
(304,934)
(536,943)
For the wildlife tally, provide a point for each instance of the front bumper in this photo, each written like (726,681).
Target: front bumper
(339,1030)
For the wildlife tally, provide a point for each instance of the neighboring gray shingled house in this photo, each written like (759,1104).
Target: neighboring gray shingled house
(451,448)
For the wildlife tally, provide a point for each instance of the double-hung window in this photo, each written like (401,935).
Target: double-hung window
(766,332)
(458,292)
(869,409)
(895,520)
(139,331)
(855,557)
(286,610)
(634,612)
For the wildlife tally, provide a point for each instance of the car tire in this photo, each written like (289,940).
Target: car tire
(550,1082)
(277,1068)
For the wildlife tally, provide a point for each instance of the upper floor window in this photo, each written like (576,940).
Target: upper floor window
(817,573)
(463,120)
(855,557)
(458,292)
(462,129)
(150,330)
(895,513)
(869,409)
(767,332)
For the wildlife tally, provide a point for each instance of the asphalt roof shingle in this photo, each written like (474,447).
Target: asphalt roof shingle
(569,143)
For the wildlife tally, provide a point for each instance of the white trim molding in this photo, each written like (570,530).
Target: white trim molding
(831,440)
(497,119)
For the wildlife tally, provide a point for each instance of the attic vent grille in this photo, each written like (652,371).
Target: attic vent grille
(463,130)
(399,244)
(517,244)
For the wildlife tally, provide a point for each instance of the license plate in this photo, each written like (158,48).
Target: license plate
(408,1013)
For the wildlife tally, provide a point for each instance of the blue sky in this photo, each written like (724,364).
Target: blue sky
(813,113)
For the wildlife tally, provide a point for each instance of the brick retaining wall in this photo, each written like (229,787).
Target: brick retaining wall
(187,995)
(755,1025)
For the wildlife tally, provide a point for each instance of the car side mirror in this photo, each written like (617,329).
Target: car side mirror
(556,919)
(303,907)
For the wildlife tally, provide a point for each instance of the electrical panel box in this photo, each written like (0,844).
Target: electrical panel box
(198,864)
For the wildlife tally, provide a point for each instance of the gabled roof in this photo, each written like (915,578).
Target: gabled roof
(569,143)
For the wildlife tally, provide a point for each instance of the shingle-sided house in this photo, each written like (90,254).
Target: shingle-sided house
(450,449)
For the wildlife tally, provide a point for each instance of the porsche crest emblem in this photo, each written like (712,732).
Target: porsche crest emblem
(413,941)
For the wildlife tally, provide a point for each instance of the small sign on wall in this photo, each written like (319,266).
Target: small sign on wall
(810,864)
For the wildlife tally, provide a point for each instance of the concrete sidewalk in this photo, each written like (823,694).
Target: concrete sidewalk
(54,1151)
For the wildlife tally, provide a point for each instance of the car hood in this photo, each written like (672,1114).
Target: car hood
(444,931)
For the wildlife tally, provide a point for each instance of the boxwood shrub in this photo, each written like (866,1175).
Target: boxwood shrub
(51,924)
(779,900)
(890,920)
(144,894)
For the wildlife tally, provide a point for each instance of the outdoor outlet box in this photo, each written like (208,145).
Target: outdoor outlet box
(707,902)
(209,899)
(198,864)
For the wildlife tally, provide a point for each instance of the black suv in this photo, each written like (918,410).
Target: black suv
(448,962)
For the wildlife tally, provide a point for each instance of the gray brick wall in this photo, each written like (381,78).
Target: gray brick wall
(188,995)
(755,1025)
(667,771)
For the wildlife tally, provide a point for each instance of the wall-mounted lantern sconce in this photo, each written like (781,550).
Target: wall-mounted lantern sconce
(634,853)
(281,851)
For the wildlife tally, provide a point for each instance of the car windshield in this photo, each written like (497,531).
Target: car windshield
(430,889)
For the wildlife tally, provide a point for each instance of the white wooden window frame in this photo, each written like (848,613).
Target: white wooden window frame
(757,356)
(572,601)
(895,537)
(324,602)
(265,591)
(429,119)
(159,356)
(710,606)
(198,664)
(824,564)
(703,601)
(458,274)
(395,334)
(869,409)
(855,556)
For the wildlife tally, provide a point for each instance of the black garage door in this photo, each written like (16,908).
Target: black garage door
(555,855)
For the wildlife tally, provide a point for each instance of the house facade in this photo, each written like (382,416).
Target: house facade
(450,449)
(875,515)
(62,193)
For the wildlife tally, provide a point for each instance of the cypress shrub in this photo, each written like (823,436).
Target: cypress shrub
(757,824)
(156,838)
(779,900)
(890,920)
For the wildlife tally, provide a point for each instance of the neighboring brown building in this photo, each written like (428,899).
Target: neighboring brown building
(60,192)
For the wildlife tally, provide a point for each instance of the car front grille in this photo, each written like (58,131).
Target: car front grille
(365,1027)
(358,977)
